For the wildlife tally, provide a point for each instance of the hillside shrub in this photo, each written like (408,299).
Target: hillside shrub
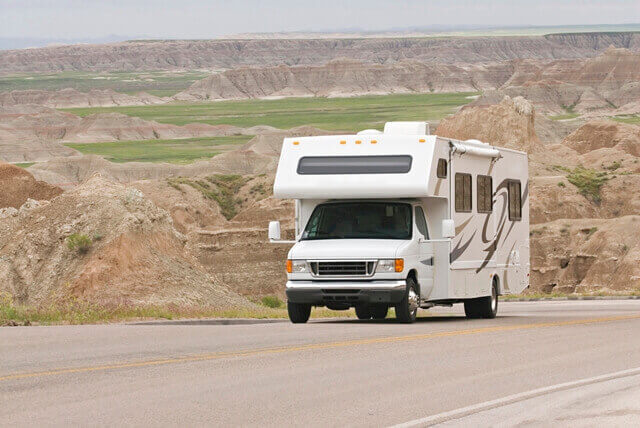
(588,182)
(79,242)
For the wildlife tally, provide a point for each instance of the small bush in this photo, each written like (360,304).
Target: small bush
(588,182)
(272,302)
(79,242)
(561,184)
(615,165)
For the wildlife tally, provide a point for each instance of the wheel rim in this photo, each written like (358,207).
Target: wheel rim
(494,299)
(413,301)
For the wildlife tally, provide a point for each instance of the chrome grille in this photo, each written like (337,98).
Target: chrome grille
(342,268)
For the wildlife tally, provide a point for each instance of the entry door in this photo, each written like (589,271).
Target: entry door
(426,254)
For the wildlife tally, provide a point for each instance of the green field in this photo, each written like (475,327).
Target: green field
(634,120)
(173,151)
(566,116)
(344,114)
(160,83)
(24,164)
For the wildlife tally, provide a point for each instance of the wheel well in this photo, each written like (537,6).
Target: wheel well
(413,274)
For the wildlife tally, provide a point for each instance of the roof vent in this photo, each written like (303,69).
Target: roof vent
(370,132)
(406,128)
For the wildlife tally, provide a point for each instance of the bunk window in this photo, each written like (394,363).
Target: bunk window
(463,192)
(485,192)
(442,168)
(320,165)
(515,200)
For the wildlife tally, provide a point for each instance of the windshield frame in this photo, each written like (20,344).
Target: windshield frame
(317,207)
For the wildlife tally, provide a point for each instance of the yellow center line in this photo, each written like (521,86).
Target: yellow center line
(315,346)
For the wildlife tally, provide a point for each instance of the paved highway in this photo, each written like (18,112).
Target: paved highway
(538,363)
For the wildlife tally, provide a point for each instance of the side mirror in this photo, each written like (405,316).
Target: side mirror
(448,228)
(274,231)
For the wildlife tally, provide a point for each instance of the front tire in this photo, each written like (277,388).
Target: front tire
(483,307)
(363,312)
(298,312)
(379,312)
(407,309)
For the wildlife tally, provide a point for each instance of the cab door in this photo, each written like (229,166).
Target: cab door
(425,253)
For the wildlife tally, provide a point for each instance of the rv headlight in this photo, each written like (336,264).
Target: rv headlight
(390,265)
(299,266)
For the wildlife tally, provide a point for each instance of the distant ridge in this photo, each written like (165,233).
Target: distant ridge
(228,54)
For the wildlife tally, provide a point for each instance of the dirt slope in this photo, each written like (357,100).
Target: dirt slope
(18,185)
(136,256)
(586,255)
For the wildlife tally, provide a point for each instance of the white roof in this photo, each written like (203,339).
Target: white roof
(290,183)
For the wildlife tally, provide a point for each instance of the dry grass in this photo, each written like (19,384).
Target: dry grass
(85,313)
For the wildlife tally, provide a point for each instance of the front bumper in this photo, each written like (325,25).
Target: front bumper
(327,293)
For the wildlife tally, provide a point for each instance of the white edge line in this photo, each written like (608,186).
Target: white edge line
(487,405)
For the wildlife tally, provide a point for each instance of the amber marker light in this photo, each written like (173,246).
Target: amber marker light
(295,143)
(422,140)
(358,142)
(343,142)
(289,266)
(374,141)
(399,265)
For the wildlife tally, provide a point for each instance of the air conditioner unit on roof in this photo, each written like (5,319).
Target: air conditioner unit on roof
(406,128)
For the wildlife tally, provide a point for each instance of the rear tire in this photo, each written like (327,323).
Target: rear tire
(298,312)
(379,312)
(483,307)
(363,312)
(407,309)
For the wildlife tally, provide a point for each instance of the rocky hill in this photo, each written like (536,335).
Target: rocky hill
(341,78)
(35,133)
(511,124)
(102,243)
(607,84)
(69,98)
(228,54)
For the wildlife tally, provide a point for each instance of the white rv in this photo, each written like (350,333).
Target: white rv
(403,219)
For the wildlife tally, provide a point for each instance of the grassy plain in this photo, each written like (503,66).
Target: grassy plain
(160,83)
(179,151)
(634,120)
(343,114)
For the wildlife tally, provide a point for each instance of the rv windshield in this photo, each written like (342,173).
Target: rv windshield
(360,220)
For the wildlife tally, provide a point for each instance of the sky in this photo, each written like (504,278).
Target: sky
(190,19)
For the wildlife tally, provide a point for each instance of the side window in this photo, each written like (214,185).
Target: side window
(442,168)
(485,192)
(515,200)
(463,192)
(421,222)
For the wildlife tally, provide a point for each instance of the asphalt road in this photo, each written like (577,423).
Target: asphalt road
(537,363)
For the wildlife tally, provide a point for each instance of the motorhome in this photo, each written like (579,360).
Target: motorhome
(403,219)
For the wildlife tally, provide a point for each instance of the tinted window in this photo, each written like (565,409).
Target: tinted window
(421,223)
(442,168)
(360,220)
(314,165)
(463,192)
(515,200)
(485,193)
